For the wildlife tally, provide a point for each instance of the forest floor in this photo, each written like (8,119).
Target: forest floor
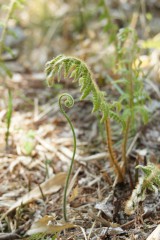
(33,165)
(40,150)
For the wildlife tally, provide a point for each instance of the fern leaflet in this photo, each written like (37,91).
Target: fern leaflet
(78,71)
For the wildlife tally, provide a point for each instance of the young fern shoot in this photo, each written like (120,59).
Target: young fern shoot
(69,102)
(150,180)
(128,105)
(77,70)
(132,100)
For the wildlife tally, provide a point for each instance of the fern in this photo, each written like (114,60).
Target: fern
(133,99)
(152,176)
(78,71)
(75,69)
(129,104)
(128,52)
(150,180)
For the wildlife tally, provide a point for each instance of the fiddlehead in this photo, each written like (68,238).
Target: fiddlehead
(77,70)
(69,102)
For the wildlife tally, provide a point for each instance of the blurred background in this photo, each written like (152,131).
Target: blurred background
(83,28)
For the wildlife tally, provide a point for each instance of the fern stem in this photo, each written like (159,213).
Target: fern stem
(124,145)
(113,160)
(69,102)
(128,122)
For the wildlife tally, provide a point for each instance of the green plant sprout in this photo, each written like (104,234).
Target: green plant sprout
(69,102)
(129,104)
(150,180)
(130,72)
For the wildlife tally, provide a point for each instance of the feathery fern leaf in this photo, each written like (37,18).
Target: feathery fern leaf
(75,69)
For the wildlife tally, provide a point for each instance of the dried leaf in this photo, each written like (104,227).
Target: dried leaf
(74,194)
(155,235)
(45,225)
(50,186)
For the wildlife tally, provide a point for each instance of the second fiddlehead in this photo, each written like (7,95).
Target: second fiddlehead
(69,102)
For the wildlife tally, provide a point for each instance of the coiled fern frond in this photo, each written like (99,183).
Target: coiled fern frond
(69,102)
(78,71)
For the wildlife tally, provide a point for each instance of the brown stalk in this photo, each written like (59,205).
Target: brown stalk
(113,159)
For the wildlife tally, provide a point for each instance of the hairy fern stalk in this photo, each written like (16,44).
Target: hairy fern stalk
(77,70)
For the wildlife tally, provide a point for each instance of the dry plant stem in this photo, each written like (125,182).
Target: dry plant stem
(113,160)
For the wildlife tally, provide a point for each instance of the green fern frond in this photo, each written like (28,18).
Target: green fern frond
(124,97)
(117,118)
(143,111)
(126,43)
(126,114)
(96,101)
(75,69)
